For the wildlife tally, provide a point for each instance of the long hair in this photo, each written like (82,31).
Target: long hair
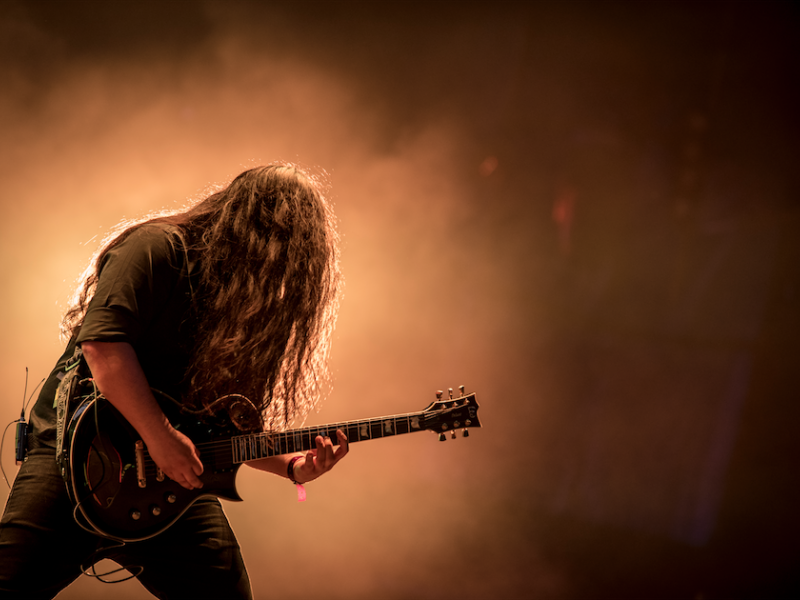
(268,294)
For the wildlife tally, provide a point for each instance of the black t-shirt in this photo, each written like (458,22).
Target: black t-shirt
(144,297)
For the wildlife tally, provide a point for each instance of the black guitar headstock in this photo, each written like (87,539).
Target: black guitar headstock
(450,414)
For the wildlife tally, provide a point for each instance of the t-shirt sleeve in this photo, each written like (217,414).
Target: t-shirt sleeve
(137,278)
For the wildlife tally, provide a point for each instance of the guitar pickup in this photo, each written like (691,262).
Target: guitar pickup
(140,476)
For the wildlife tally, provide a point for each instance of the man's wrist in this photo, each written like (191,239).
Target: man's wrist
(290,472)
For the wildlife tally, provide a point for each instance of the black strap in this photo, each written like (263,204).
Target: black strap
(73,373)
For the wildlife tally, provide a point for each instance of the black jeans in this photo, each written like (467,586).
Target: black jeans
(42,549)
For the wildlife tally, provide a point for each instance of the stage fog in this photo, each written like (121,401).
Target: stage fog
(585,214)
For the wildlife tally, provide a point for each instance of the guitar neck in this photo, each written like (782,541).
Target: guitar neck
(264,445)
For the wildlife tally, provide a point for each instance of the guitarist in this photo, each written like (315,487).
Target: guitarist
(236,294)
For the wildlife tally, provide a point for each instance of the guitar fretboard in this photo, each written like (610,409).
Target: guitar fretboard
(265,445)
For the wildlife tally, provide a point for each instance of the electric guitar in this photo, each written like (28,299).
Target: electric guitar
(119,493)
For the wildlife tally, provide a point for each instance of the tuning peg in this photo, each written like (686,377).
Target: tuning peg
(453,434)
(461,389)
(442,437)
(465,433)
(439,394)
(450,391)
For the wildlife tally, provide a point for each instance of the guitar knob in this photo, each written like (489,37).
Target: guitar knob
(171,498)
(135,515)
(155,510)
(442,437)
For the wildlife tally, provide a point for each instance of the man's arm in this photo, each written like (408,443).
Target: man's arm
(119,377)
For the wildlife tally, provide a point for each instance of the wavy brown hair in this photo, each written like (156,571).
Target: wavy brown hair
(268,293)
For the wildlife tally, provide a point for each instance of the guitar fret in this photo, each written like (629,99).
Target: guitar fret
(286,443)
(298,441)
(375,429)
(401,425)
(263,445)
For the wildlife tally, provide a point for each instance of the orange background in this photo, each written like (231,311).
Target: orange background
(579,211)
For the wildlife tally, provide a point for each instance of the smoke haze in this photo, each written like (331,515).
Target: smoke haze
(511,186)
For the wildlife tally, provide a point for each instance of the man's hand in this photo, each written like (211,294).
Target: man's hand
(311,465)
(177,457)
(322,459)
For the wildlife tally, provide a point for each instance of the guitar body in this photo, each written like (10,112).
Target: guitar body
(103,480)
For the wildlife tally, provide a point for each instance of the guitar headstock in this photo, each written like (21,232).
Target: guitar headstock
(450,414)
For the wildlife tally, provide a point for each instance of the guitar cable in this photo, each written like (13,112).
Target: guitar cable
(96,556)
(104,450)
(21,444)
(21,437)
(2,443)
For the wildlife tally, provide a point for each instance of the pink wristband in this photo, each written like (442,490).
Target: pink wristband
(301,491)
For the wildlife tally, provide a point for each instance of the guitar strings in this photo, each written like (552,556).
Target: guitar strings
(219,451)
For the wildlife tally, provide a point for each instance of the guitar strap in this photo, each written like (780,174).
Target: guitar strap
(75,372)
